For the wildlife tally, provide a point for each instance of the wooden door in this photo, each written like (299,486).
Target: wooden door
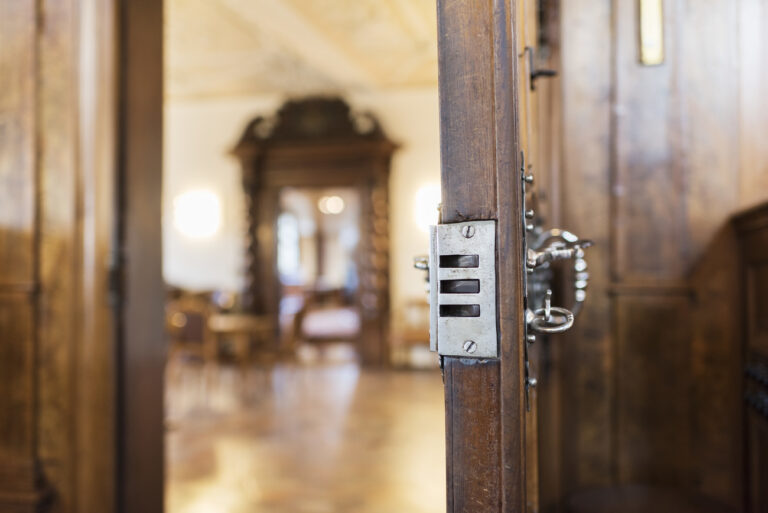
(488,128)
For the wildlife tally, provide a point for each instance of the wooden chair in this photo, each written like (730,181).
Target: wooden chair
(187,328)
(326,317)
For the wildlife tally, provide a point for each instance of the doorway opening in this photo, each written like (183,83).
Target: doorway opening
(297,156)
(317,237)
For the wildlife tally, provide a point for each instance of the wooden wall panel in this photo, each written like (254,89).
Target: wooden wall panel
(16,426)
(654,161)
(653,407)
(585,186)
(17,141)
(56,442)
(650,226)
(18,178)
(709,135)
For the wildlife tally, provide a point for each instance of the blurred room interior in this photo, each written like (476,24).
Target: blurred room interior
(301,172)
(214,216)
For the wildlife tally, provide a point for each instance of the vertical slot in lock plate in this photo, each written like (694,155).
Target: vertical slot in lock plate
(462,289)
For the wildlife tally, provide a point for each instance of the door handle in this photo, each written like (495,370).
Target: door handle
(554,245)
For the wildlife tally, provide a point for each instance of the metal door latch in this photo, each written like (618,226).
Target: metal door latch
(462,289)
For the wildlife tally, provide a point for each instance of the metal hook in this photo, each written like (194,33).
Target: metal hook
(537,73)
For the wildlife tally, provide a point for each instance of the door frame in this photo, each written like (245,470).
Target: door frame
(137,267)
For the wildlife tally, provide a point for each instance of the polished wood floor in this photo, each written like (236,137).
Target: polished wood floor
(326,437)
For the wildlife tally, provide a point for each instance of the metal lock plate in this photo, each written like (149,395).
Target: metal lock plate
(462,289)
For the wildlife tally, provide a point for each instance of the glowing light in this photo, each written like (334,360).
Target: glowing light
(331,205)
(425,206)
(197,214)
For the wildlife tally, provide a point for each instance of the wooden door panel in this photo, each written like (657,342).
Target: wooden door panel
(481,180)
(473,434)
(468,158)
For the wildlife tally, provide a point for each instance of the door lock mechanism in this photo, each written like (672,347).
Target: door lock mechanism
(461,282)
(462,289)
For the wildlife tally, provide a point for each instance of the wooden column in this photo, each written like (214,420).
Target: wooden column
(481,180)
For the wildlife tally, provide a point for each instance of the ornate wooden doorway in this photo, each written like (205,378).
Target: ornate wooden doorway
(319,142)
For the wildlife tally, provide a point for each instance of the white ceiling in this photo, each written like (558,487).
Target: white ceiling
(249,47)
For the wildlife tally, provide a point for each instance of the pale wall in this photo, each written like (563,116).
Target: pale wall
(198,135)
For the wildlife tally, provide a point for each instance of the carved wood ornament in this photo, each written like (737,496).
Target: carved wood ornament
(319,142)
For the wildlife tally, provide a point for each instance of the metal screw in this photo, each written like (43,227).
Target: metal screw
(532,382)
(529,214)
(468,231)
(530,227)
(530,339)
(528,178)
(470,346)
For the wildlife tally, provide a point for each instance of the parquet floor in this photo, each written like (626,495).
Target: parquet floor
(322,438)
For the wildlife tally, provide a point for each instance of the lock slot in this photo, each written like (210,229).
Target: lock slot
(459,310)
(459,286)
(459,261)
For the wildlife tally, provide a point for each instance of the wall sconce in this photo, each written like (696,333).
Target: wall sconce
(651,14)
(197,214)
(332,205)
(425,206)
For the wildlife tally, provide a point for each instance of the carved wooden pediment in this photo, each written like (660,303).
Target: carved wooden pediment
(318,120)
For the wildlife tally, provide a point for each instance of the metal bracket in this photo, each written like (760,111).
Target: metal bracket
(462,289)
